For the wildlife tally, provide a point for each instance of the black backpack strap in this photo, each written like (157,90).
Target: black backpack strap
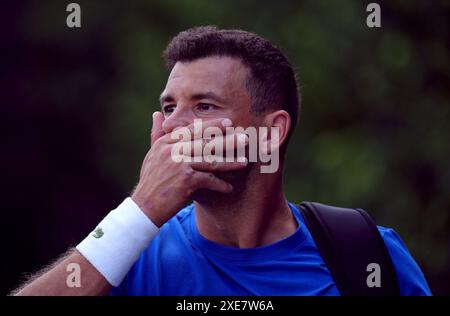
(348,241)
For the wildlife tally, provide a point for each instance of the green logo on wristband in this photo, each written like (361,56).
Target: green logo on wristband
(98,232)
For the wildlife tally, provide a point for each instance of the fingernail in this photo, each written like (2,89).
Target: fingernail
(226,122)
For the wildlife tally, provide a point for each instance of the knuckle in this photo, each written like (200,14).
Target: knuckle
(188,174)
(167,150)
(157,141)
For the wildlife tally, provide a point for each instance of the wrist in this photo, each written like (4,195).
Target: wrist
(115,244)
(149,209)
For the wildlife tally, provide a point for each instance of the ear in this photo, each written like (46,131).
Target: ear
(281,120)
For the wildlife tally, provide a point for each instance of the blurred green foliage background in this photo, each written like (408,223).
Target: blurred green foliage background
(374,125)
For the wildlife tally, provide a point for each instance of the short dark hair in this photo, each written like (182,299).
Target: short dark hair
(271,83)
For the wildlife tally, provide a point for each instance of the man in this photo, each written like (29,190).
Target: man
(240,236)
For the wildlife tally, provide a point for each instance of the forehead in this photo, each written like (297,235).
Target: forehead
(222,75)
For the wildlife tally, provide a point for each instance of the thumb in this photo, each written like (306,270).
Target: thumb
(157,131)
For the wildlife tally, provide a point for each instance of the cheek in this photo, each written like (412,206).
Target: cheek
(242,116)
(248,118)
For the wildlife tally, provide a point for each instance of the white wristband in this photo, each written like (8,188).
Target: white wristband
(113,247)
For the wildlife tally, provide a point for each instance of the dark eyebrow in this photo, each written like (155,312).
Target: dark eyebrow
(208,95)
(165,98)
(198,96)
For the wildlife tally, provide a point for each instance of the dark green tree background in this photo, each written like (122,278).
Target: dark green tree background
(77,104)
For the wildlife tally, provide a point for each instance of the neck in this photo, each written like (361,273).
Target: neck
(254,216)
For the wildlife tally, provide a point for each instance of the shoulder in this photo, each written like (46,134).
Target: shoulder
(411,279)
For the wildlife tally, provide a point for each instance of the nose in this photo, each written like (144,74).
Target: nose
(180,117)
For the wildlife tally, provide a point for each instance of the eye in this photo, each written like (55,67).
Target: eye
(204,107)
(168,109)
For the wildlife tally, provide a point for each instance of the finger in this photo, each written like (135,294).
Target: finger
(207,180)
(157,131)
(217,146)
(219,166)
(196,130)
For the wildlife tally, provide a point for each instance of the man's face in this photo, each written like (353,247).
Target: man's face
(207,88)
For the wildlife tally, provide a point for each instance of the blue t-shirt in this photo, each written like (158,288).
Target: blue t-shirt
(179,261)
